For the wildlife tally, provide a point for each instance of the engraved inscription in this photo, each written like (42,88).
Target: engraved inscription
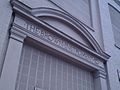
(61,43)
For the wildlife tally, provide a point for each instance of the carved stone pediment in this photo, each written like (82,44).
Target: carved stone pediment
(78,43)
(64,22)
(47,11)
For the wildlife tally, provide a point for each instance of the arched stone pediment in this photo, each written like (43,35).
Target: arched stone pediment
(68,25)
(57,29)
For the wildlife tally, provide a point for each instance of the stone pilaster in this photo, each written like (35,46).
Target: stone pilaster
(11,64)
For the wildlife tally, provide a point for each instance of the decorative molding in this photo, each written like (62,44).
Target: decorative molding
(57,41)
(97,57)
(15,34)
(101,74)
(20,8)
(49,12)
(27,12)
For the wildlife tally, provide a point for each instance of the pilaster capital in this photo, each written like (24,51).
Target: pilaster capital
(17,35)
(100,74)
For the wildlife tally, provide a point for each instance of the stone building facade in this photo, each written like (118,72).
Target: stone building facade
(59,45)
